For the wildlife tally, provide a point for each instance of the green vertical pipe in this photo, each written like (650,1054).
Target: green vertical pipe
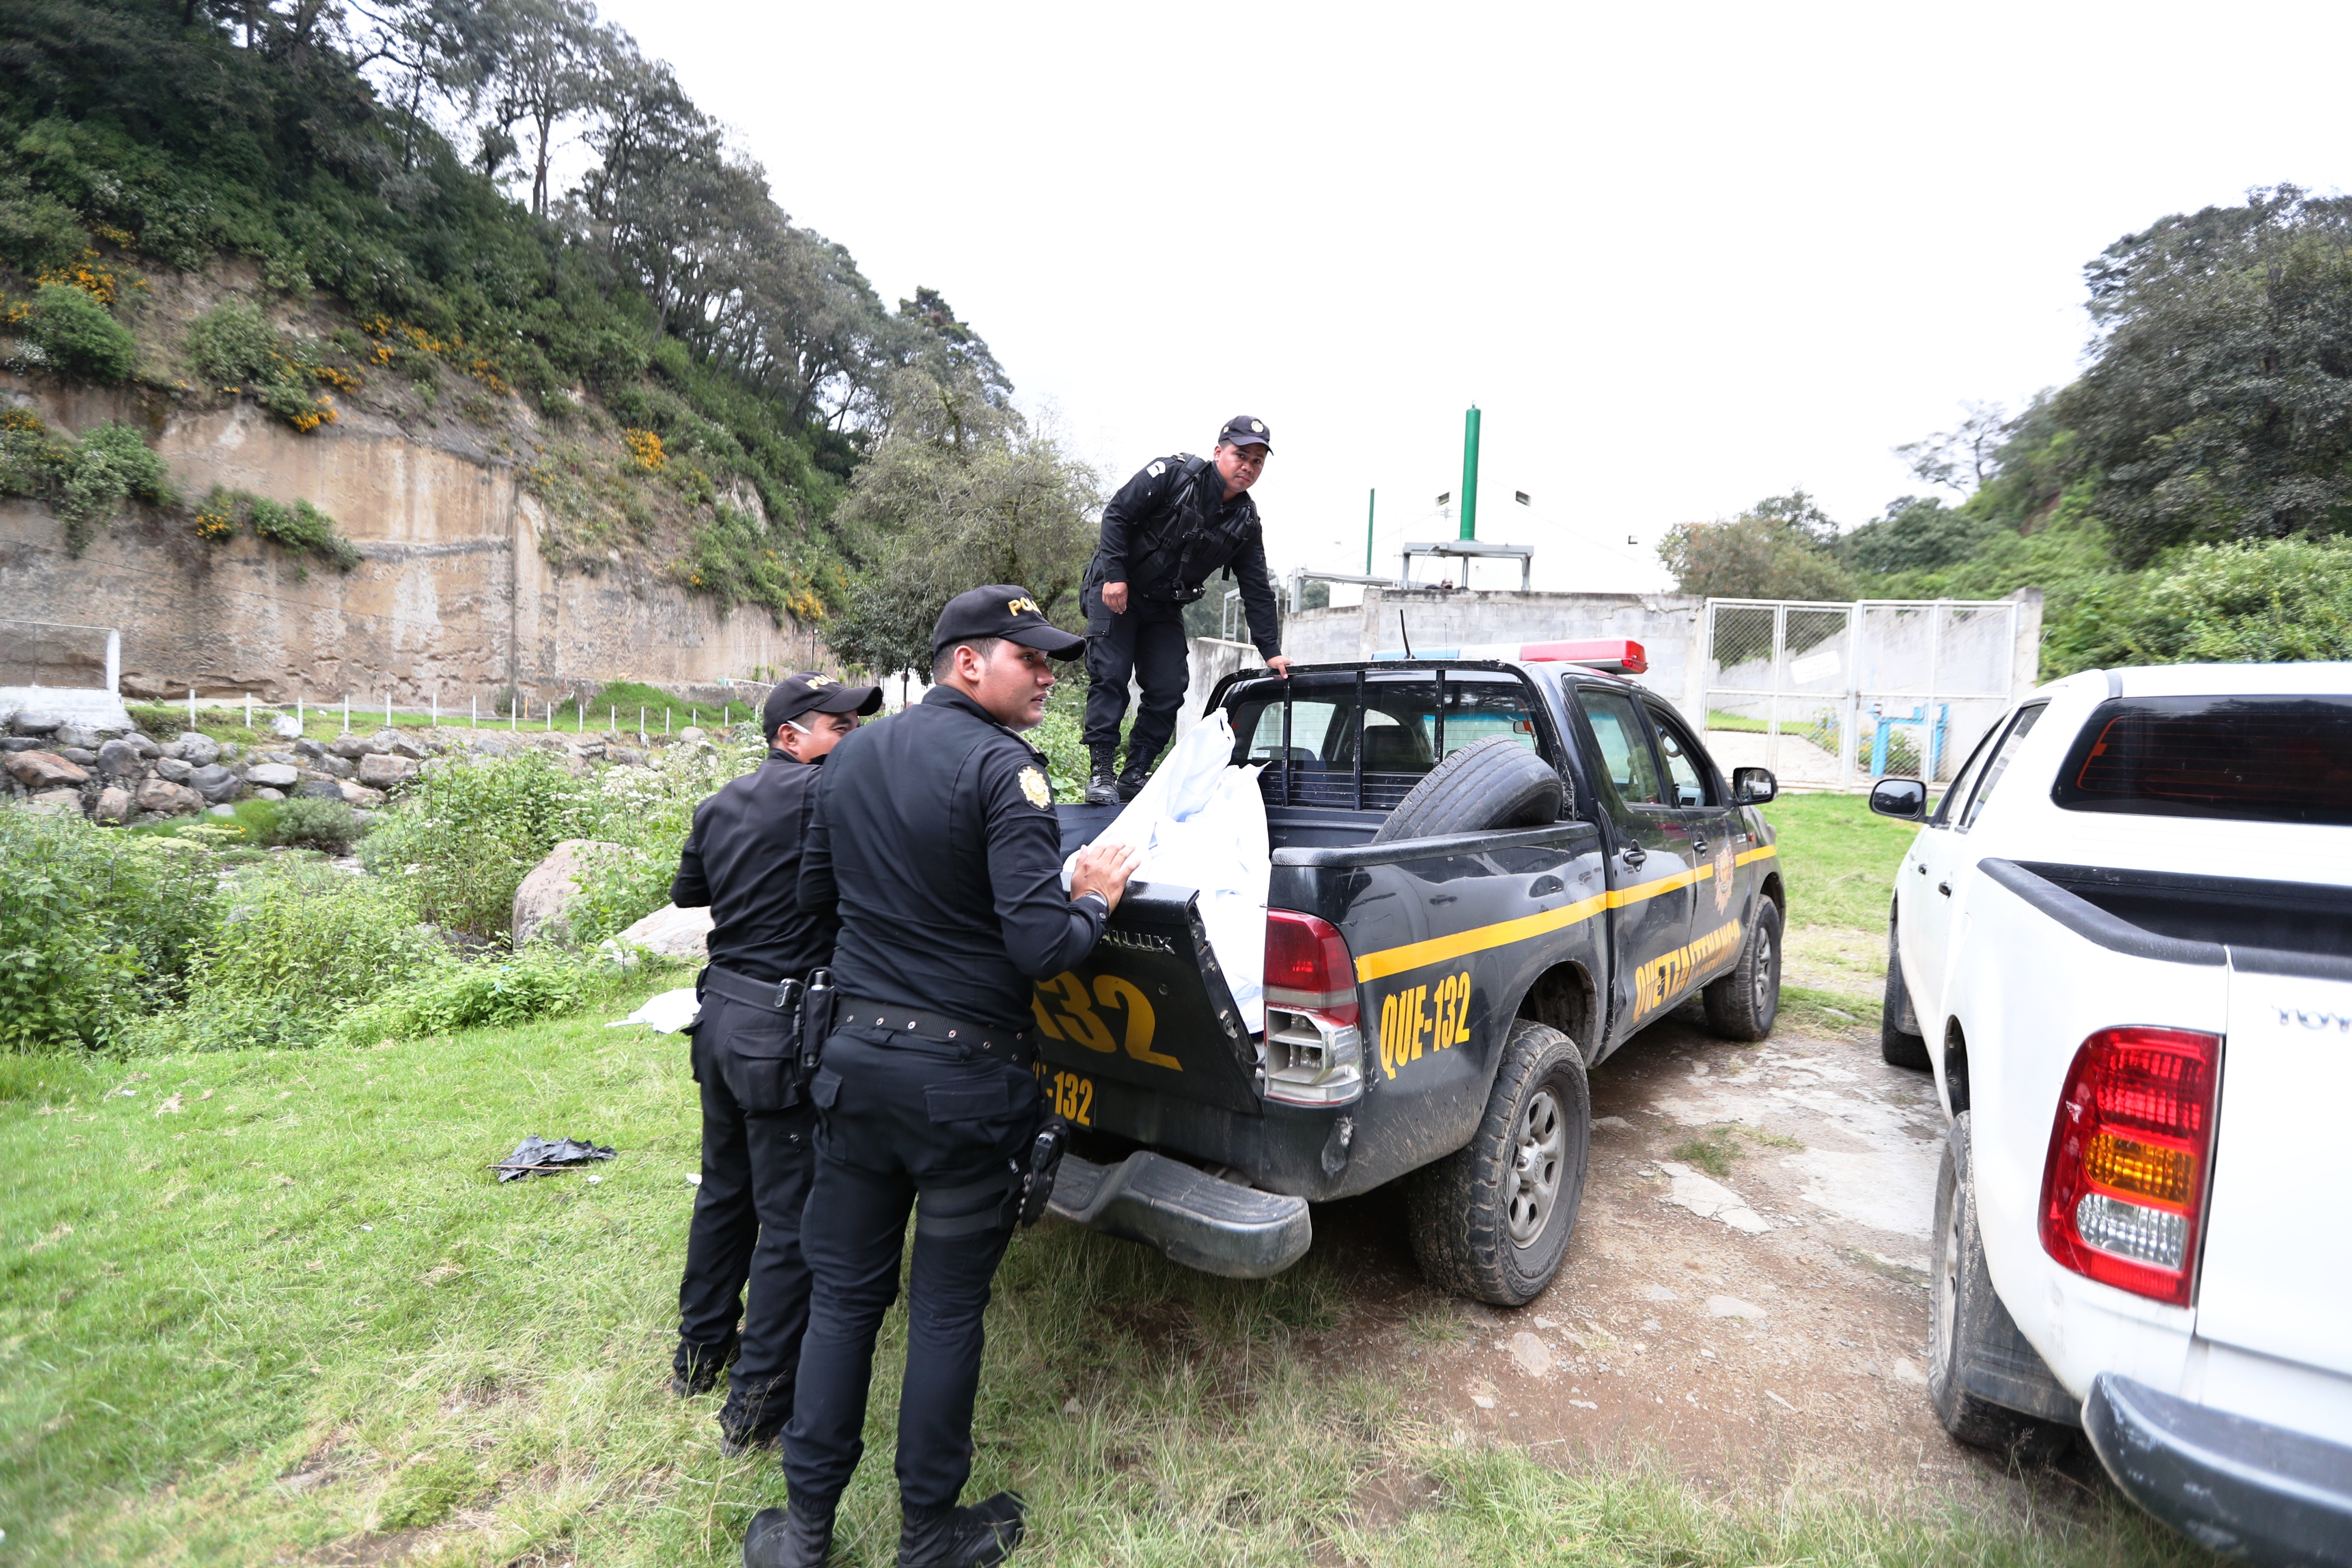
(1470,474)
(1372,505)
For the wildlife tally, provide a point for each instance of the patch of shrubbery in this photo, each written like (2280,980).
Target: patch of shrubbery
(299,527)
(465,833)
(85,482)
(536,983)
(96,930)
(237,349)
(79,337)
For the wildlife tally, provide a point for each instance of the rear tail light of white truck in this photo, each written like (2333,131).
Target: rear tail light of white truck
(2124,1188)
(1313,1051)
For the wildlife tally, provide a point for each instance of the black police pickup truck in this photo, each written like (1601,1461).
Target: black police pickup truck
(1489,874)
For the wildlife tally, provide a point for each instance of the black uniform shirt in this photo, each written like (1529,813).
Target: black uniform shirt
(935,837)
(1144,529)
(744,860)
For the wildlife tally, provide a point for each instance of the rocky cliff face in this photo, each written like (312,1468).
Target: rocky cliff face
(453,596)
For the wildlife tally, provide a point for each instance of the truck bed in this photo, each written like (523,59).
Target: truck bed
(2276,928)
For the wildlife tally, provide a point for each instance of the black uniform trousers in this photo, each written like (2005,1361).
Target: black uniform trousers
(1147,644)
(899,1117)
(757,1161)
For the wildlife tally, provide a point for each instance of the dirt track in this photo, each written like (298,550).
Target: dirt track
(1771,1322)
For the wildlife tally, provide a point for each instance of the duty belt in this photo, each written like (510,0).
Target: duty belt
(782,995)
(1011,1046)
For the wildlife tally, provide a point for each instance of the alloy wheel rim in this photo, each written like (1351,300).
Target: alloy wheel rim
(1763,982)
(1540,1153)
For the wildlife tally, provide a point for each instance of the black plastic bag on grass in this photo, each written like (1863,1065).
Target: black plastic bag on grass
(538,1156)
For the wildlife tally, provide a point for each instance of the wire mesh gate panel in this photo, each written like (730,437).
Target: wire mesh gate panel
(1832,696)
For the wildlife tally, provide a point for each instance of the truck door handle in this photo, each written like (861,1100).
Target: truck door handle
(1945,889)
(1923,868)
(1634,855)
(1699,842)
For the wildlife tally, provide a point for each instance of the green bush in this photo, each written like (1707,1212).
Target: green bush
(465,835)
(540,982)
(39,233)
(649,811)
(234,346)
(97,928)
(112,464)
(307,822)
(302,528)
(2281,600)
(79,337)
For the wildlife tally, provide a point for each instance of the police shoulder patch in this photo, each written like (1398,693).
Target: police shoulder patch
(1156,469)
(1034,785)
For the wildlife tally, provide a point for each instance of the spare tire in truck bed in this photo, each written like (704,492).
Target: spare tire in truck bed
(1496,783)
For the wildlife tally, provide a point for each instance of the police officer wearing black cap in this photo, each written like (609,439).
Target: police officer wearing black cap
(936,844)
(742,860)
(1167,530)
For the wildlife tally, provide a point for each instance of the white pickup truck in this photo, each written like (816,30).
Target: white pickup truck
(2122,941)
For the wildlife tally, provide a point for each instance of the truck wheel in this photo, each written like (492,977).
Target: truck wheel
(1497,783)
(1963,1303)
(1744,1003)
(1491,1220)
(1899,1046)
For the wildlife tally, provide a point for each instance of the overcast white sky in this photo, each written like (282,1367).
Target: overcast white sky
(1682,257)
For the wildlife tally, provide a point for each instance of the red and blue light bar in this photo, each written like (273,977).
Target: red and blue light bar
(1618,656)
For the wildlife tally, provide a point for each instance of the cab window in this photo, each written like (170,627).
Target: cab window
(2003,755)
(1407,728)
(1686,777)
(1624,745)
(1956,795)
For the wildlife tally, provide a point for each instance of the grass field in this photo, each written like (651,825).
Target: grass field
(617,708)
(271,1306)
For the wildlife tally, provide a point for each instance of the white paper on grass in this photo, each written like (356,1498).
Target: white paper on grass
(1201,823)
(665,1014)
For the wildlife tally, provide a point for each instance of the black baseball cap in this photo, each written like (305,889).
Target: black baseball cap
(1001,610)
(806,691)
(1243,431)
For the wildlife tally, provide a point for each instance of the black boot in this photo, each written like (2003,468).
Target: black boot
(954,1537)
(1131,782)
(695,1369)
(754,1418)
(787,1538)
(1102,789)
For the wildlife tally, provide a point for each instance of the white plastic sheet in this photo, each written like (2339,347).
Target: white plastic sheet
(1201,823)
(665,1014)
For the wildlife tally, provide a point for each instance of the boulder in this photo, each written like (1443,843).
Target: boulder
(199,749)
(80,757)
(170,768)
(309,751)
(147,748)
(272,776)
(283,726)
(334,767)
(30,722)
(22,743)
(167,799)
(267,792)
(379,770)
(43,770)
(671,933)
(80,735)
(691,735)
(121,760)
(113,804)
(353,747)
(402,744)
(215,783)
(540,901)
(626,756)
(64,801)
(318,789)
(361,797)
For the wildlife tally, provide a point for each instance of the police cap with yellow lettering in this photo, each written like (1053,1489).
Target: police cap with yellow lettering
(1001,610)
(806,691)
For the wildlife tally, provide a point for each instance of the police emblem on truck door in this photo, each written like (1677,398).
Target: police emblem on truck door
(1726,866)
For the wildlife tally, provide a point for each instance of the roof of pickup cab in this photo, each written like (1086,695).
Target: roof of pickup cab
(2316,679)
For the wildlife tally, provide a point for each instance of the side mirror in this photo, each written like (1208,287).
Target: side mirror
(1906,798)
(1753,787)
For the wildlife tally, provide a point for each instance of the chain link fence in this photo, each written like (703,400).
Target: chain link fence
(1832,696)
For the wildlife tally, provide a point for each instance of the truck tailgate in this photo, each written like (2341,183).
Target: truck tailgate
(2277,1270)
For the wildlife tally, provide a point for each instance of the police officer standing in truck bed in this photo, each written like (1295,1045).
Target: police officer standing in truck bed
(1180,519)
(742,860)
(935,842)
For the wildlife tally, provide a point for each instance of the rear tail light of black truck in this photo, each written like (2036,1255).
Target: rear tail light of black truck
(2124,1188)
(1313,1051)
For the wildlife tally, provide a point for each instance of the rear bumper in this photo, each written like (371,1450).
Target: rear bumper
(1194,1218)
(2254,1491)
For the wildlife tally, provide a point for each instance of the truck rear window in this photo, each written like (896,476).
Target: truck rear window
(1406,730)
(2248,759)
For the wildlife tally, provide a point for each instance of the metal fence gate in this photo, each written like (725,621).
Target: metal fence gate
(1832,696)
